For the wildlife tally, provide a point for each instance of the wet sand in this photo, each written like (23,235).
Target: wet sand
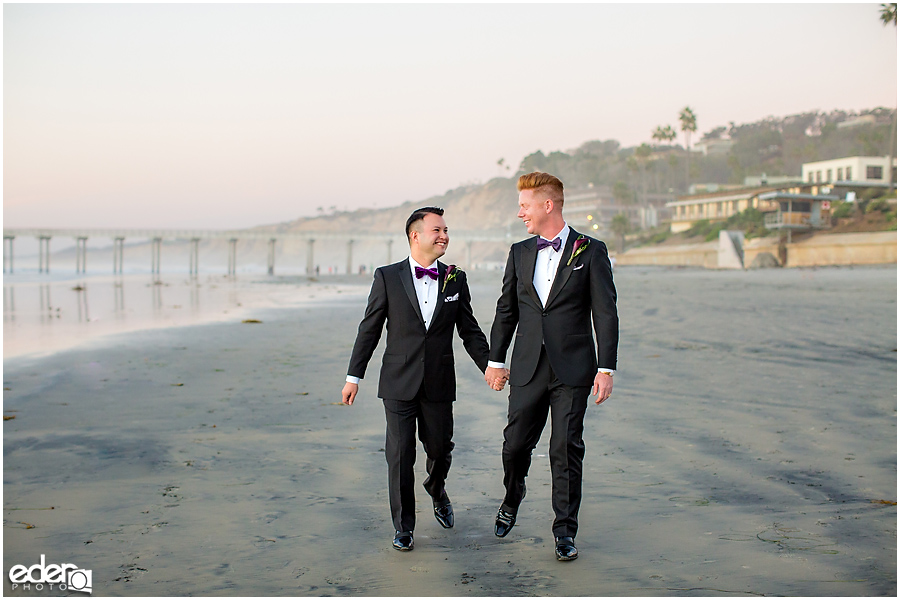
(749,448)
(43,314)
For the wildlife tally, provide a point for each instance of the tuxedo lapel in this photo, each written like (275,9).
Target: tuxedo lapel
(562,270)
(529,257)
(407,281)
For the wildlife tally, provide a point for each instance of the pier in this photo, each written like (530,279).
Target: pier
(194,237)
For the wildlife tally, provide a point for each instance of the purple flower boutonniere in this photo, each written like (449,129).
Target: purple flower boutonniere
(452,271)
(580,244)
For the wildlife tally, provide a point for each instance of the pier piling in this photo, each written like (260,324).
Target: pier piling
(44,254)
(310,266)
(8,253)
(232,256)
(155,255)
(272,256)
(81,255)
(194,259)
(118,254)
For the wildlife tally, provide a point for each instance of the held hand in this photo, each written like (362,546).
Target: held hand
(500,382)
(496,378)
(491,375)
(603,386)
(348,394)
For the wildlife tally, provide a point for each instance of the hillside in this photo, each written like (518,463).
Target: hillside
(488,206)
(775,146)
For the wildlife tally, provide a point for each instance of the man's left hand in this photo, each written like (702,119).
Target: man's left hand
(496,378)
(603,385)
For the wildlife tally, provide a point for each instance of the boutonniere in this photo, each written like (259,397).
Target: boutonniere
(452,270)
(580,244)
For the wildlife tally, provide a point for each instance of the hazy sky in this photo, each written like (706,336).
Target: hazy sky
(220,116)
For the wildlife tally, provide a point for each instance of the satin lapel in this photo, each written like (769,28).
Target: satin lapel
(529,257)
(407,279)
(442,272)
(563,271)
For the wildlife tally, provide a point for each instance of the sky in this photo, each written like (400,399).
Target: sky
(220,116)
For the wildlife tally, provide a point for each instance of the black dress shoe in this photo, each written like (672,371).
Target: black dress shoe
(504,523)
(444,515)
(403,541)
(565,548)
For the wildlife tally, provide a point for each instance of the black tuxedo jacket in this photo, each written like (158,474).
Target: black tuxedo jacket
(582,291)
(413,354)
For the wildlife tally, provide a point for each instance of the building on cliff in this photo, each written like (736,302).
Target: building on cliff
(784,203)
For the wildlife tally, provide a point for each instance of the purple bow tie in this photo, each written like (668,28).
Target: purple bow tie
(420,273)
(542,243)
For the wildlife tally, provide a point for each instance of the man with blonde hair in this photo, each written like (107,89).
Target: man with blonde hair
(556,285)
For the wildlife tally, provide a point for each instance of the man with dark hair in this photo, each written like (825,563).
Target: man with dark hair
(556,285)
(422,301)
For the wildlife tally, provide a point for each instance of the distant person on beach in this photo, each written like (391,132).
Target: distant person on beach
(422,300)
(555,285)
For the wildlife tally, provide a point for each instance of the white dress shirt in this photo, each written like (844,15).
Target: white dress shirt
(426,293)
(546,264)
(545,267)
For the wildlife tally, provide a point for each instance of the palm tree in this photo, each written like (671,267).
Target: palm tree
(688,125)
(889,14)
(642,156)
(664,134)
(631,164)
(621,193)
(673,164)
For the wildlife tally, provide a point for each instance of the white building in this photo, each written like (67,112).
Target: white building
(865,169)
(592,210)
(763,180)
(713,147)
(856,122)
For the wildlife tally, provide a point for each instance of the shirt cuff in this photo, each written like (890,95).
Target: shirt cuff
(610,371)
(496,365)
(352,379)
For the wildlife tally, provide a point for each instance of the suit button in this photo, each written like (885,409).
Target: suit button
(545,314)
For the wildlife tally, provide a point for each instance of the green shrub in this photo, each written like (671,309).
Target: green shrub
(871,193)
(750,221)
(714,232)
(842,210)
(701,227)
(661,237)
(878,205)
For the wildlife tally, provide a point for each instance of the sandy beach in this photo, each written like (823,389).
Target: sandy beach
(749,448)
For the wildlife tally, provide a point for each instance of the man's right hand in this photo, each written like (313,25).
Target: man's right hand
(496,378)
(348,394)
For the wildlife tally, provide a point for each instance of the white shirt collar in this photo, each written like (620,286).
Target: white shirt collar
(563,235)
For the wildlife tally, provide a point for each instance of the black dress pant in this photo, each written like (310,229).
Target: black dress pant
(435,423)
(528,408)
